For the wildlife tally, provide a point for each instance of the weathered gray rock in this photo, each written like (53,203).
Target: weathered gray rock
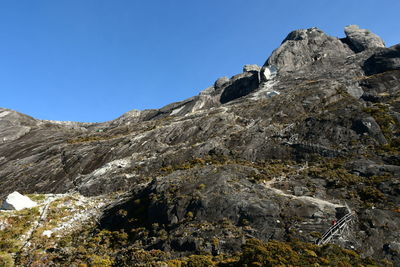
(303,47)
(221,82)
(251,68)
(369,125)
(384,60)
(362,39)
(369,168)
(355,91)
(380,88)
(209,195)
(272,157)
(393,249)
(13,125)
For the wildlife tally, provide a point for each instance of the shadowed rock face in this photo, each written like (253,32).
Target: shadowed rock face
(384,60)
(240,85)
(274,155)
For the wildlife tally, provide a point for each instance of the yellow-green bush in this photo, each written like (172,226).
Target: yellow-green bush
(6,260)
(275,253)
(257,253)
(18,223)
(199,261)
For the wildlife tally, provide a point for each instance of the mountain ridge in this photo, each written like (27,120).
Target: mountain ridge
(276,152)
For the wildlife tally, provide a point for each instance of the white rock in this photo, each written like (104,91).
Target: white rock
(47,233)
(4,113)
(268,73)
(16,201)
(177,110)
(119,163)
(272,93)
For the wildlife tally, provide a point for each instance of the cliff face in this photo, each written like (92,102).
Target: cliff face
(276,152)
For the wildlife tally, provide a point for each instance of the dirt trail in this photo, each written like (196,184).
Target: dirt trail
(321,203)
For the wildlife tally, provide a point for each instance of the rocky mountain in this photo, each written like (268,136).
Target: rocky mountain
(271,155)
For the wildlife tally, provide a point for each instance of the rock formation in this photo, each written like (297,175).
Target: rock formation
(384,60)
(302,47)
(275,153)
(362,39)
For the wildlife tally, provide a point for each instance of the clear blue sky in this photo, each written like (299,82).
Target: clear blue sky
(92,60)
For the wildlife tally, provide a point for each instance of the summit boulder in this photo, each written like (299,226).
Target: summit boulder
(362,39)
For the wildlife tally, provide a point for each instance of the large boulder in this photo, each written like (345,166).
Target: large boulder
(362,39)
(16,201)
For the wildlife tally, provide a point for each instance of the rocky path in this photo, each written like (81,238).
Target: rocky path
(321,203)
(43,209)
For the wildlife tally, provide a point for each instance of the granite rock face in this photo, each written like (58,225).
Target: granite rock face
(271,153)
(240,85)
(304,47)
(383,60)
(251,68)
(212,194)
(362,39)
(221,82)
(14,125)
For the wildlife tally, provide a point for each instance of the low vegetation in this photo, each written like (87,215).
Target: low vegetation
(389,125)
(107,248)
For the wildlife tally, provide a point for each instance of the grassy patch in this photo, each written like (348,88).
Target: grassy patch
(389,125)
(37,197)
(16,225)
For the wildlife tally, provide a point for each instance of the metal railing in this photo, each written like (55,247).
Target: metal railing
(335,229)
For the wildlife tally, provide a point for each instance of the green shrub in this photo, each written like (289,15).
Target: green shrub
(6,260)
(257,253)
(199,261)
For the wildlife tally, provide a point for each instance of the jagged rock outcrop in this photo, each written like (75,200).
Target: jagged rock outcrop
(303,47)
(14,125)
(368,125)
(209,195)
(362,39)
(251,68)
(221,82)
(240,85)
(271,153)
(383,60)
